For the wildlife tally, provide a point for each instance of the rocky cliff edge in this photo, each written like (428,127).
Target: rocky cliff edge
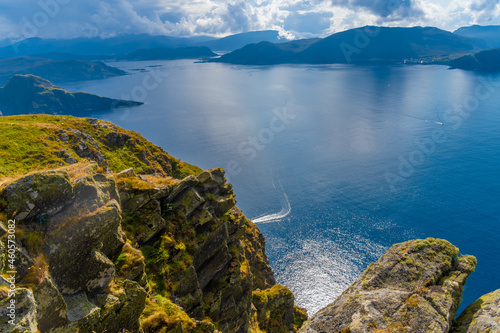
(103,251)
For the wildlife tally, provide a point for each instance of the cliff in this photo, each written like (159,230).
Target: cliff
(25,94)
(99,248)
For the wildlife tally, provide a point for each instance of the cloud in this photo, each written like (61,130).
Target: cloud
(383,8)
(311,22)
(485,10)
(300,18)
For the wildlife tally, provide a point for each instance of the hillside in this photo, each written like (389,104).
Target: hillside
(26,94)
(56,70)
(484,61)
(110,238)
(362,45)
(162,53)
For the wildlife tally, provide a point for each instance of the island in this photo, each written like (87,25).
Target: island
(29,94)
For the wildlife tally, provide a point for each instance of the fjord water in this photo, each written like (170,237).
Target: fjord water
(309,149)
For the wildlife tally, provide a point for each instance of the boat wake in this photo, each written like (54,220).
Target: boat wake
(284,212)
(426,120)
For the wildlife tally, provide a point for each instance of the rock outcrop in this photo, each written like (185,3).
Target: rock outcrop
(481,316)
(415,286)
(111,252)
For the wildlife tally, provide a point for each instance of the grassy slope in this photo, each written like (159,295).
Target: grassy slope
(26,145)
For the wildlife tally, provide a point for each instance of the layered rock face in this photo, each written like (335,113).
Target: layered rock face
(107,253)
(415,286)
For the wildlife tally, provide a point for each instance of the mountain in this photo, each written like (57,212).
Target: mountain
(104,48)
(361,45)
(118,45)
(488,35)
(31,94)
(56,70)
(267,53)
(233,42)
(484,61)
(385,45)
(113,235)
(162,53)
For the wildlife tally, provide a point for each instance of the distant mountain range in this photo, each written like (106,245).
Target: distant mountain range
(362,45)
(56,70)
(29,94)
(103,48)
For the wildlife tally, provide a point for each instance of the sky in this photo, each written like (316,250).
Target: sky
(292,18)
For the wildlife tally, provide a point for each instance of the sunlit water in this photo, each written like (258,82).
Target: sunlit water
(341,130)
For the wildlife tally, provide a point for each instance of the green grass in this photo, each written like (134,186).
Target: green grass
(25,147)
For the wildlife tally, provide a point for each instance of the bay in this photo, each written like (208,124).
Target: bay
(335,162)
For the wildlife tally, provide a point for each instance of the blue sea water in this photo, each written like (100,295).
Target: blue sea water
(336,162)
